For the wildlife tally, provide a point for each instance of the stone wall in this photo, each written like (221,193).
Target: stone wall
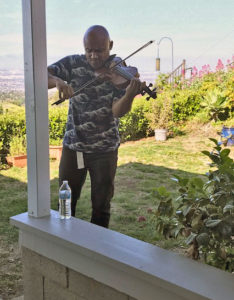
(45,279)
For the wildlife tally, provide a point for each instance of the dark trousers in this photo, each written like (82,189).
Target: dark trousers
(102,169)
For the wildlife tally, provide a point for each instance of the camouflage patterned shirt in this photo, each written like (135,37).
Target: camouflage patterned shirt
(90,126)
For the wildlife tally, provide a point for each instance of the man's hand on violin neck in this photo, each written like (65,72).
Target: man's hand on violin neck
(135,87)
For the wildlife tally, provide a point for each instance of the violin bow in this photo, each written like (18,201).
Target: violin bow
(112,67)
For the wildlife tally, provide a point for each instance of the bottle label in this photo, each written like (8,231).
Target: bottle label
(63,195)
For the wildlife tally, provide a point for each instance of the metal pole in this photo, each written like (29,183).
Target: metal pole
(172,54)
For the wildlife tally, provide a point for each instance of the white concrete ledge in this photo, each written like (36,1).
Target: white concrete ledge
(133,267)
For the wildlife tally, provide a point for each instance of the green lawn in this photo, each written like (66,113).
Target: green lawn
(143,165)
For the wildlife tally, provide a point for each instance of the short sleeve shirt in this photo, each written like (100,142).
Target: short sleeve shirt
(90,126)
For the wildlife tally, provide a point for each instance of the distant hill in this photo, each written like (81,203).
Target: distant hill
(11,80)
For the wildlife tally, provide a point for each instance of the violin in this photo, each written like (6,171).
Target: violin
(116,71)
(120,75)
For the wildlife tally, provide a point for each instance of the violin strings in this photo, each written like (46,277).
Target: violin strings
(125,74)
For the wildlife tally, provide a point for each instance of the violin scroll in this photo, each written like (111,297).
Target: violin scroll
(152,93)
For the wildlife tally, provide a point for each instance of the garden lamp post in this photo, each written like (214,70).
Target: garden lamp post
(158,59)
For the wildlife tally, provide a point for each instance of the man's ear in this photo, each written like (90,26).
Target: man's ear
(111,45)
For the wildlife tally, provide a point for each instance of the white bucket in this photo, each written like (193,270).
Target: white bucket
(160,134)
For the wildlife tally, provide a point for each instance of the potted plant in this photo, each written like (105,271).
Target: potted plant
(18,157)
(160,117)
(55,151)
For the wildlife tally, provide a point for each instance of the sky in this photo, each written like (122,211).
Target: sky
(202,31)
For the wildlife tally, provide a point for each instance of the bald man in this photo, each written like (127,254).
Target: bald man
(91,139)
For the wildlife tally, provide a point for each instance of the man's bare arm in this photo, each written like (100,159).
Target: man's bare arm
(124,104)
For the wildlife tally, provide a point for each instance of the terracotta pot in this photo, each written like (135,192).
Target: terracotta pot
(19,161)
(56,152)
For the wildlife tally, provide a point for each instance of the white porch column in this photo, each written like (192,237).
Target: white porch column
(36,96)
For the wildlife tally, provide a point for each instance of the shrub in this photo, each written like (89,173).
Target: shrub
(204,211)
(134,125)
(160,115)
(57,123)
(186,103)
(13,130)
(11,125)
(18,145)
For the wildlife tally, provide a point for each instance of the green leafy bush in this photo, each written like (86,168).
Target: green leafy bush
(204,211)
(134,125)
(18,145)
(185,100)
(160,114)
(11,126)
(186,104)
(57,123)
(13,131)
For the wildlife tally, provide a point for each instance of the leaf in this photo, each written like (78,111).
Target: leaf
(175,179)
(162,191)
(203,239)
(165,208)
(196,221)
(212,223)
(224,152)
(186,209)
(182,190)
(180,180)
(216,178)
(214,140)
(215,158)
(228,207)
(206,153)
(204,201)
(225,229)
(183,181)
(198,182)
(177,231)
(221,100)
(190,238)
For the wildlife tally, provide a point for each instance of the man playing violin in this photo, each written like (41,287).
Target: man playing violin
(91,139)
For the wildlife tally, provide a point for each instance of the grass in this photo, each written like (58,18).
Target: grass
(143,165)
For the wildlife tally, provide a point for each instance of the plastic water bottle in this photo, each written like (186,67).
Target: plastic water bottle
(65,201)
